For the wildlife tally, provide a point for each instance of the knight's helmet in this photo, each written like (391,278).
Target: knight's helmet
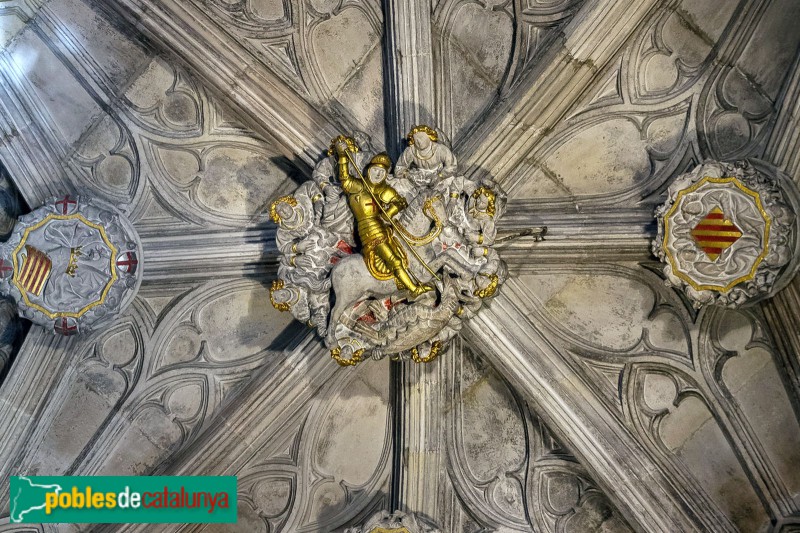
(382,159)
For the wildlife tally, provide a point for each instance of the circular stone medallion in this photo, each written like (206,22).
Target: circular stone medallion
(71,265)
(716,234)
(728,233)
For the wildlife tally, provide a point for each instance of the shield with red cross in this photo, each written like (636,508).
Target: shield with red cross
(66,326)
(71,265)
(66,205)
(6,268)
(127,262)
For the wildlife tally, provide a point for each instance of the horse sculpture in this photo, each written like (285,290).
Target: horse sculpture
(352,281)
(427,229)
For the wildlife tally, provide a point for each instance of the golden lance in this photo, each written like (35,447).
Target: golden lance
(388,218)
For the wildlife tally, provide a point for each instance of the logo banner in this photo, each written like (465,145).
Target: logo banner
(123,499)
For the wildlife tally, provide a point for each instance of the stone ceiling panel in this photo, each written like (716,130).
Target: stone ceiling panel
(483,49)
(685,382)
(662,418)
(142,389)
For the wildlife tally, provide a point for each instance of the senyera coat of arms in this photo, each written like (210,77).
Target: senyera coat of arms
(72,265)
(387,260)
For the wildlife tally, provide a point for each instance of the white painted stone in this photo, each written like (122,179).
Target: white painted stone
(583,110)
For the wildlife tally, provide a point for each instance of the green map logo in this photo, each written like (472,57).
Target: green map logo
(123,499)
(28,497)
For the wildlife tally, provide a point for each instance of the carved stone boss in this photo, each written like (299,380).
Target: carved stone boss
(728,233)
(397,522)
(387,263)
(71,265)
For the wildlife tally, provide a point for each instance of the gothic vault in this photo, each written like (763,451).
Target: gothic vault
(588,396)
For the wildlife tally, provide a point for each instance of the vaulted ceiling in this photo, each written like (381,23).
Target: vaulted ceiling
(588,396)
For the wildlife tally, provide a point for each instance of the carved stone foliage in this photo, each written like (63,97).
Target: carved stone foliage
(405,256)
(71,265)
(728,233)
(700,389)
(508,471)
(327,50)
(482,49)
(683,90)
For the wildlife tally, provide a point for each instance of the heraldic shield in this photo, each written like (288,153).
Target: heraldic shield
(71,265)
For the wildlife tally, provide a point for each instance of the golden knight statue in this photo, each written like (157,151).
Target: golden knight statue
(373,203)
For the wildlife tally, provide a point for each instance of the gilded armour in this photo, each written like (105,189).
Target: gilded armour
(371,204)
(393,234)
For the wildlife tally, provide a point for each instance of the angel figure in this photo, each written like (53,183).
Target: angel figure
(307,247)
(426,161)
(308,307)
(484,205)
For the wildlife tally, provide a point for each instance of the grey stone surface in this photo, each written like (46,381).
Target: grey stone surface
(588,397)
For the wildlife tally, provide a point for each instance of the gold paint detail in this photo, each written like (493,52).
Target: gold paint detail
(377,266)
(357,357)
(382,160)
(490,289)
(273,208)
(371,225)
(436,347)
(427,208)
(427,130)
(112,262)
(351,143)
(750,275)
(72,266)
(35,270)
(714,233)
(490,195)
(280,306)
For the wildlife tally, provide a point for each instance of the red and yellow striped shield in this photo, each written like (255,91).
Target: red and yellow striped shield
(714,233)
(35,270)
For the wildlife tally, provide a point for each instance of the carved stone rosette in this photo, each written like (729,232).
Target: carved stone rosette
(728,233)
(71,265)
(397,522)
